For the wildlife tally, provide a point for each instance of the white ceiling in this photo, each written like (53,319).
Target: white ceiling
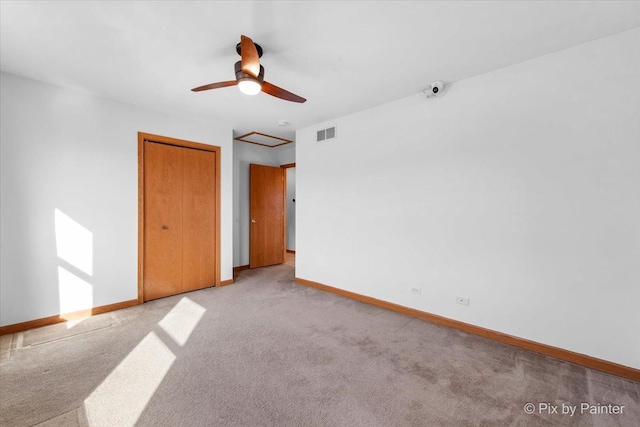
(343,56)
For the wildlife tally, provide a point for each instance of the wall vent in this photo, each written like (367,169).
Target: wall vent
(325,134)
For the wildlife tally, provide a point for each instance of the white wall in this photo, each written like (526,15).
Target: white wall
(519,189)
(77,153)
(284,154)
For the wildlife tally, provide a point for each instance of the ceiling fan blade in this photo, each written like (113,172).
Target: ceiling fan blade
(250,57)
(215,86)
(278,92)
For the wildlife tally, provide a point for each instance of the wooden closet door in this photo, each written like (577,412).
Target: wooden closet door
(163,188)
(199,214)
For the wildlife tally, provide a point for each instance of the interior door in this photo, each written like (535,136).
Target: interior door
(163,184)
(266,211)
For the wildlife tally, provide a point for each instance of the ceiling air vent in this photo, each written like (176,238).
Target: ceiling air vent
(325,134)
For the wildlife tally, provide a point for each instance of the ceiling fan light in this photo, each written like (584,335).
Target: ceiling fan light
(249,86)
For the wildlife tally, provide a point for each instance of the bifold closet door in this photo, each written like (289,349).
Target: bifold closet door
(198,221)
(180,218)
(162,220)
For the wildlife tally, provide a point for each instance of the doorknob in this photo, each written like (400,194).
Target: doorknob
(253,221)
(165,227)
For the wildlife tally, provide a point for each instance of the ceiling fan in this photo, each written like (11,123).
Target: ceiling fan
(250,74)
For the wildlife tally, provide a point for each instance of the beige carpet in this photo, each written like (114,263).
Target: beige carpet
(268,352)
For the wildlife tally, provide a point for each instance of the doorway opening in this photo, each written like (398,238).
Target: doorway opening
(290,217)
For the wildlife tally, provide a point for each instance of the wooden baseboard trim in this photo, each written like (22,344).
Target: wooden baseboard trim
(289,251)
(31,324)
(547,350)
(226,282)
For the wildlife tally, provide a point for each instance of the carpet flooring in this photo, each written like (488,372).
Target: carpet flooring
(268,352)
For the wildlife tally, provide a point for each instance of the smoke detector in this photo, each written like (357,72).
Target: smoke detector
(435,89)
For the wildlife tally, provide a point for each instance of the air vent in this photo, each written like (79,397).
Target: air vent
(331,133)
(325,134)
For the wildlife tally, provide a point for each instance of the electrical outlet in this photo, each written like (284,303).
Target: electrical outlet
(462,300)
(415,290)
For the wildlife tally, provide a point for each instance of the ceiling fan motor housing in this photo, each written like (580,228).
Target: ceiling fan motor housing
(240,75)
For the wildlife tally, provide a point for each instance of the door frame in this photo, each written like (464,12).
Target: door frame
(158,139)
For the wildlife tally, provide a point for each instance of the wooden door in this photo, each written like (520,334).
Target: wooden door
(163,186)
(266,212)
(199,214)
(180,224)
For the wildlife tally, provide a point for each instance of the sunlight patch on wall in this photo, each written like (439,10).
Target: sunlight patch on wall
(180,322)
(75,294)
(123,395)
(74,243)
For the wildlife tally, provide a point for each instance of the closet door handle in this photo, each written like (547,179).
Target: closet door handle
(253,221)
(165,227)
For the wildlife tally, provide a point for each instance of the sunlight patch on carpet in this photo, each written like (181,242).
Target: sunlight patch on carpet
(180,322)
(123,395)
